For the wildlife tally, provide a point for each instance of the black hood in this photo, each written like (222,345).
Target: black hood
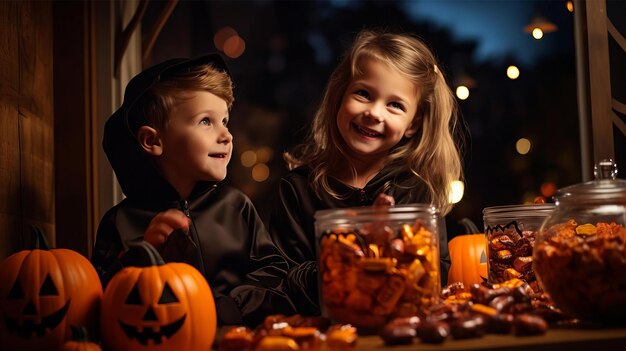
(139,178)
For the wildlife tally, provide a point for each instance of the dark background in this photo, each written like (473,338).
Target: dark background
(292,46)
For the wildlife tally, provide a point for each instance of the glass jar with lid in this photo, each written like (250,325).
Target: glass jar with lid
(510,232)
(377,263)
(580,256)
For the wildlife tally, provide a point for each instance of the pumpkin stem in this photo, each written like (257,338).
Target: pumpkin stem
(470,227)
(146,254)
(39,238)
(79,333)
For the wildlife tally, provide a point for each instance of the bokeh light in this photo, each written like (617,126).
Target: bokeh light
(537,33)
(457,188)
(522,146)
(248,158)
(548,189)
(462,92)
(222,35)
(570,6)
(234,46)
(512,72)
(260,172)
(264,154)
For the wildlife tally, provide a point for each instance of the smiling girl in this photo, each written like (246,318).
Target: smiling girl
(386,124)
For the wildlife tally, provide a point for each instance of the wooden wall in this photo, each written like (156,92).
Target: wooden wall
(75,130)
(26,123)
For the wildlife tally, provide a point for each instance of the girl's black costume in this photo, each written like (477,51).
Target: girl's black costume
(292,224)
(227,240)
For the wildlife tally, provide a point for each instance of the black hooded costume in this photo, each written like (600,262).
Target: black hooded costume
(292,224)
(231,246)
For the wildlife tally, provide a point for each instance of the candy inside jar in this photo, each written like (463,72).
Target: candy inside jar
(377,263)
(580,255)
(510,233)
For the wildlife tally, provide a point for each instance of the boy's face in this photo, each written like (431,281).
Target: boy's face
(196,144)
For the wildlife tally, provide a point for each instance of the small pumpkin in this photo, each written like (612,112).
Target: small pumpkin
(468,259)
(43,292)
(80,341)
(169,306)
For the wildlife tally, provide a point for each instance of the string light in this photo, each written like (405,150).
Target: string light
(512,72)
(540,26)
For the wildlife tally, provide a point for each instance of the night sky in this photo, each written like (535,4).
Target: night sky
(497,25)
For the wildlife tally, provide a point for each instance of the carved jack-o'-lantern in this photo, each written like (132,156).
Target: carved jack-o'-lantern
(468,258)
(42,293)
(158,307)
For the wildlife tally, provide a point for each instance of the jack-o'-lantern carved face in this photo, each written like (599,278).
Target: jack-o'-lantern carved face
(161,306)
(150,327)
(31,321)
(42,293)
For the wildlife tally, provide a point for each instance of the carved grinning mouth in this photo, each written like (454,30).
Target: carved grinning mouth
(149,333)
(27,328)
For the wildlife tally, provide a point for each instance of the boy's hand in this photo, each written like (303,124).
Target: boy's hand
(163,224)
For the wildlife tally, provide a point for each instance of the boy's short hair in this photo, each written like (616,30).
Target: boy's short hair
(151,94)
(155,104)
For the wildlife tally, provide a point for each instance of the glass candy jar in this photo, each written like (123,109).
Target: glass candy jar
(580,257)
(510,232)
(377,263)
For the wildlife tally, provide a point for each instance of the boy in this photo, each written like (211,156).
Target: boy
(169,146)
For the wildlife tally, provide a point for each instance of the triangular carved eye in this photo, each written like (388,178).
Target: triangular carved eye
(48,288)
(168,295)
(16,291)
(134,298)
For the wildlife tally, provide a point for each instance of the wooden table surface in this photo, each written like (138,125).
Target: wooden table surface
(566,339)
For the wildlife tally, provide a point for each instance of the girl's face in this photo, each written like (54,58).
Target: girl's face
(376,111)
(196,142)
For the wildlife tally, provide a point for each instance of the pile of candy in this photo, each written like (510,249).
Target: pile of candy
(293,333)
(368,276)
(582,268)
(509,307)
(510,250)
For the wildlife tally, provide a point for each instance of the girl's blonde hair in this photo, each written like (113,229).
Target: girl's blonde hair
(431,155)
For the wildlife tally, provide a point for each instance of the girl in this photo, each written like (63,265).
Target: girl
(386,124)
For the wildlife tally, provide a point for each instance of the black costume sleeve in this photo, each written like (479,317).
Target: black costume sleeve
(289,234)
(287,226)
(263,290)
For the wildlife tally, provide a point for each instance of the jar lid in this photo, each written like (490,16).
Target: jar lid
(605,189)
(518,211)
(397,212)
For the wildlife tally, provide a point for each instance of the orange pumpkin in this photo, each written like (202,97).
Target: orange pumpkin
(80,341)
(468,259)
(43,292)
(166,305)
